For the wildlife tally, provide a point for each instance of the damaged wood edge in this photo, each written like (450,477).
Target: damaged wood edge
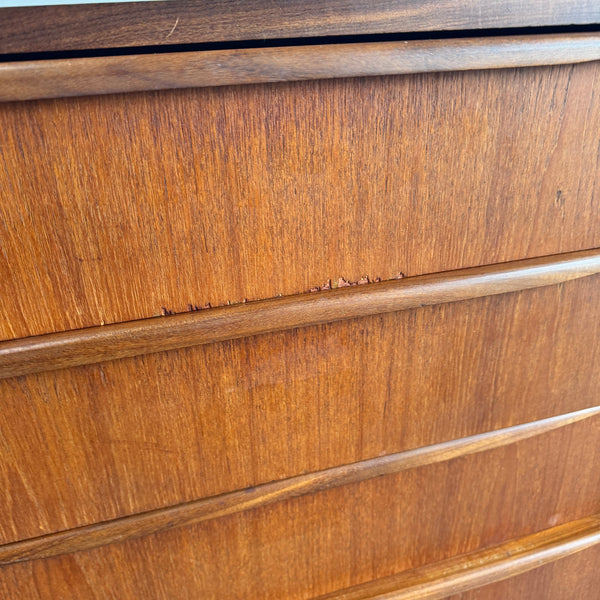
(135,526)
(110,342)
(28,80)
(476,569)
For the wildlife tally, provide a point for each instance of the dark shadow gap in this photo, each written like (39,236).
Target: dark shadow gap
(290,42)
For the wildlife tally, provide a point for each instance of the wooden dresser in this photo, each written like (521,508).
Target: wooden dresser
(300,300)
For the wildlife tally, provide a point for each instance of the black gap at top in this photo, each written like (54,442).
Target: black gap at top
(287,42)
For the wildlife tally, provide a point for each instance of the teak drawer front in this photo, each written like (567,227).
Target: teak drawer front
(92,443)
(116,207)
(311,545)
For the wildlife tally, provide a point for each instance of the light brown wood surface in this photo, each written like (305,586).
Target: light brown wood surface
(126,528)
(117,207)
(97,344)
(162,429)
(308,546)
(434,582)
(187,21)
(27,80)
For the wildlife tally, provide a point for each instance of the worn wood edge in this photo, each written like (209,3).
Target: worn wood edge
(110,342)
(56,28)
(139,525)
(476,569)
(28,80)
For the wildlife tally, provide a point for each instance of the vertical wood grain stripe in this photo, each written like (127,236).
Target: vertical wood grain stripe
(473,570)
(118,530)
(27,80)
(110,342)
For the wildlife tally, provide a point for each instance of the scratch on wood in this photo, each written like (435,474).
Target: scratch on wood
(173,29)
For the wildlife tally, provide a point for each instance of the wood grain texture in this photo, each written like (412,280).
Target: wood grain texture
(99,344)
(577,576)
(320,543)
(30,80)
(470,571)
(177,22)
(113,207)
(94,536)
(162,429)
(123,207)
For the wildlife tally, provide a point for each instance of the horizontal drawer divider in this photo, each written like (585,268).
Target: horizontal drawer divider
(135,526)
(110,342)
(476,569)
(34,79)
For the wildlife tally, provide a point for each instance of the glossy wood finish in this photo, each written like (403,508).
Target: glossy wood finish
(162,429)
(185,21)
(27,80)
(109,532)
(470,571)
(98,344)
(120,206)
(307,546)
(575,577)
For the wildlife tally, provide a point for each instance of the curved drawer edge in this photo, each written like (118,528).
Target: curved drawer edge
(470,571)
(55,78)
(139,525)
(120,340)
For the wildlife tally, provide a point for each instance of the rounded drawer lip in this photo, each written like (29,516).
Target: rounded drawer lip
(110,342)
(135,526)
(55,78)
